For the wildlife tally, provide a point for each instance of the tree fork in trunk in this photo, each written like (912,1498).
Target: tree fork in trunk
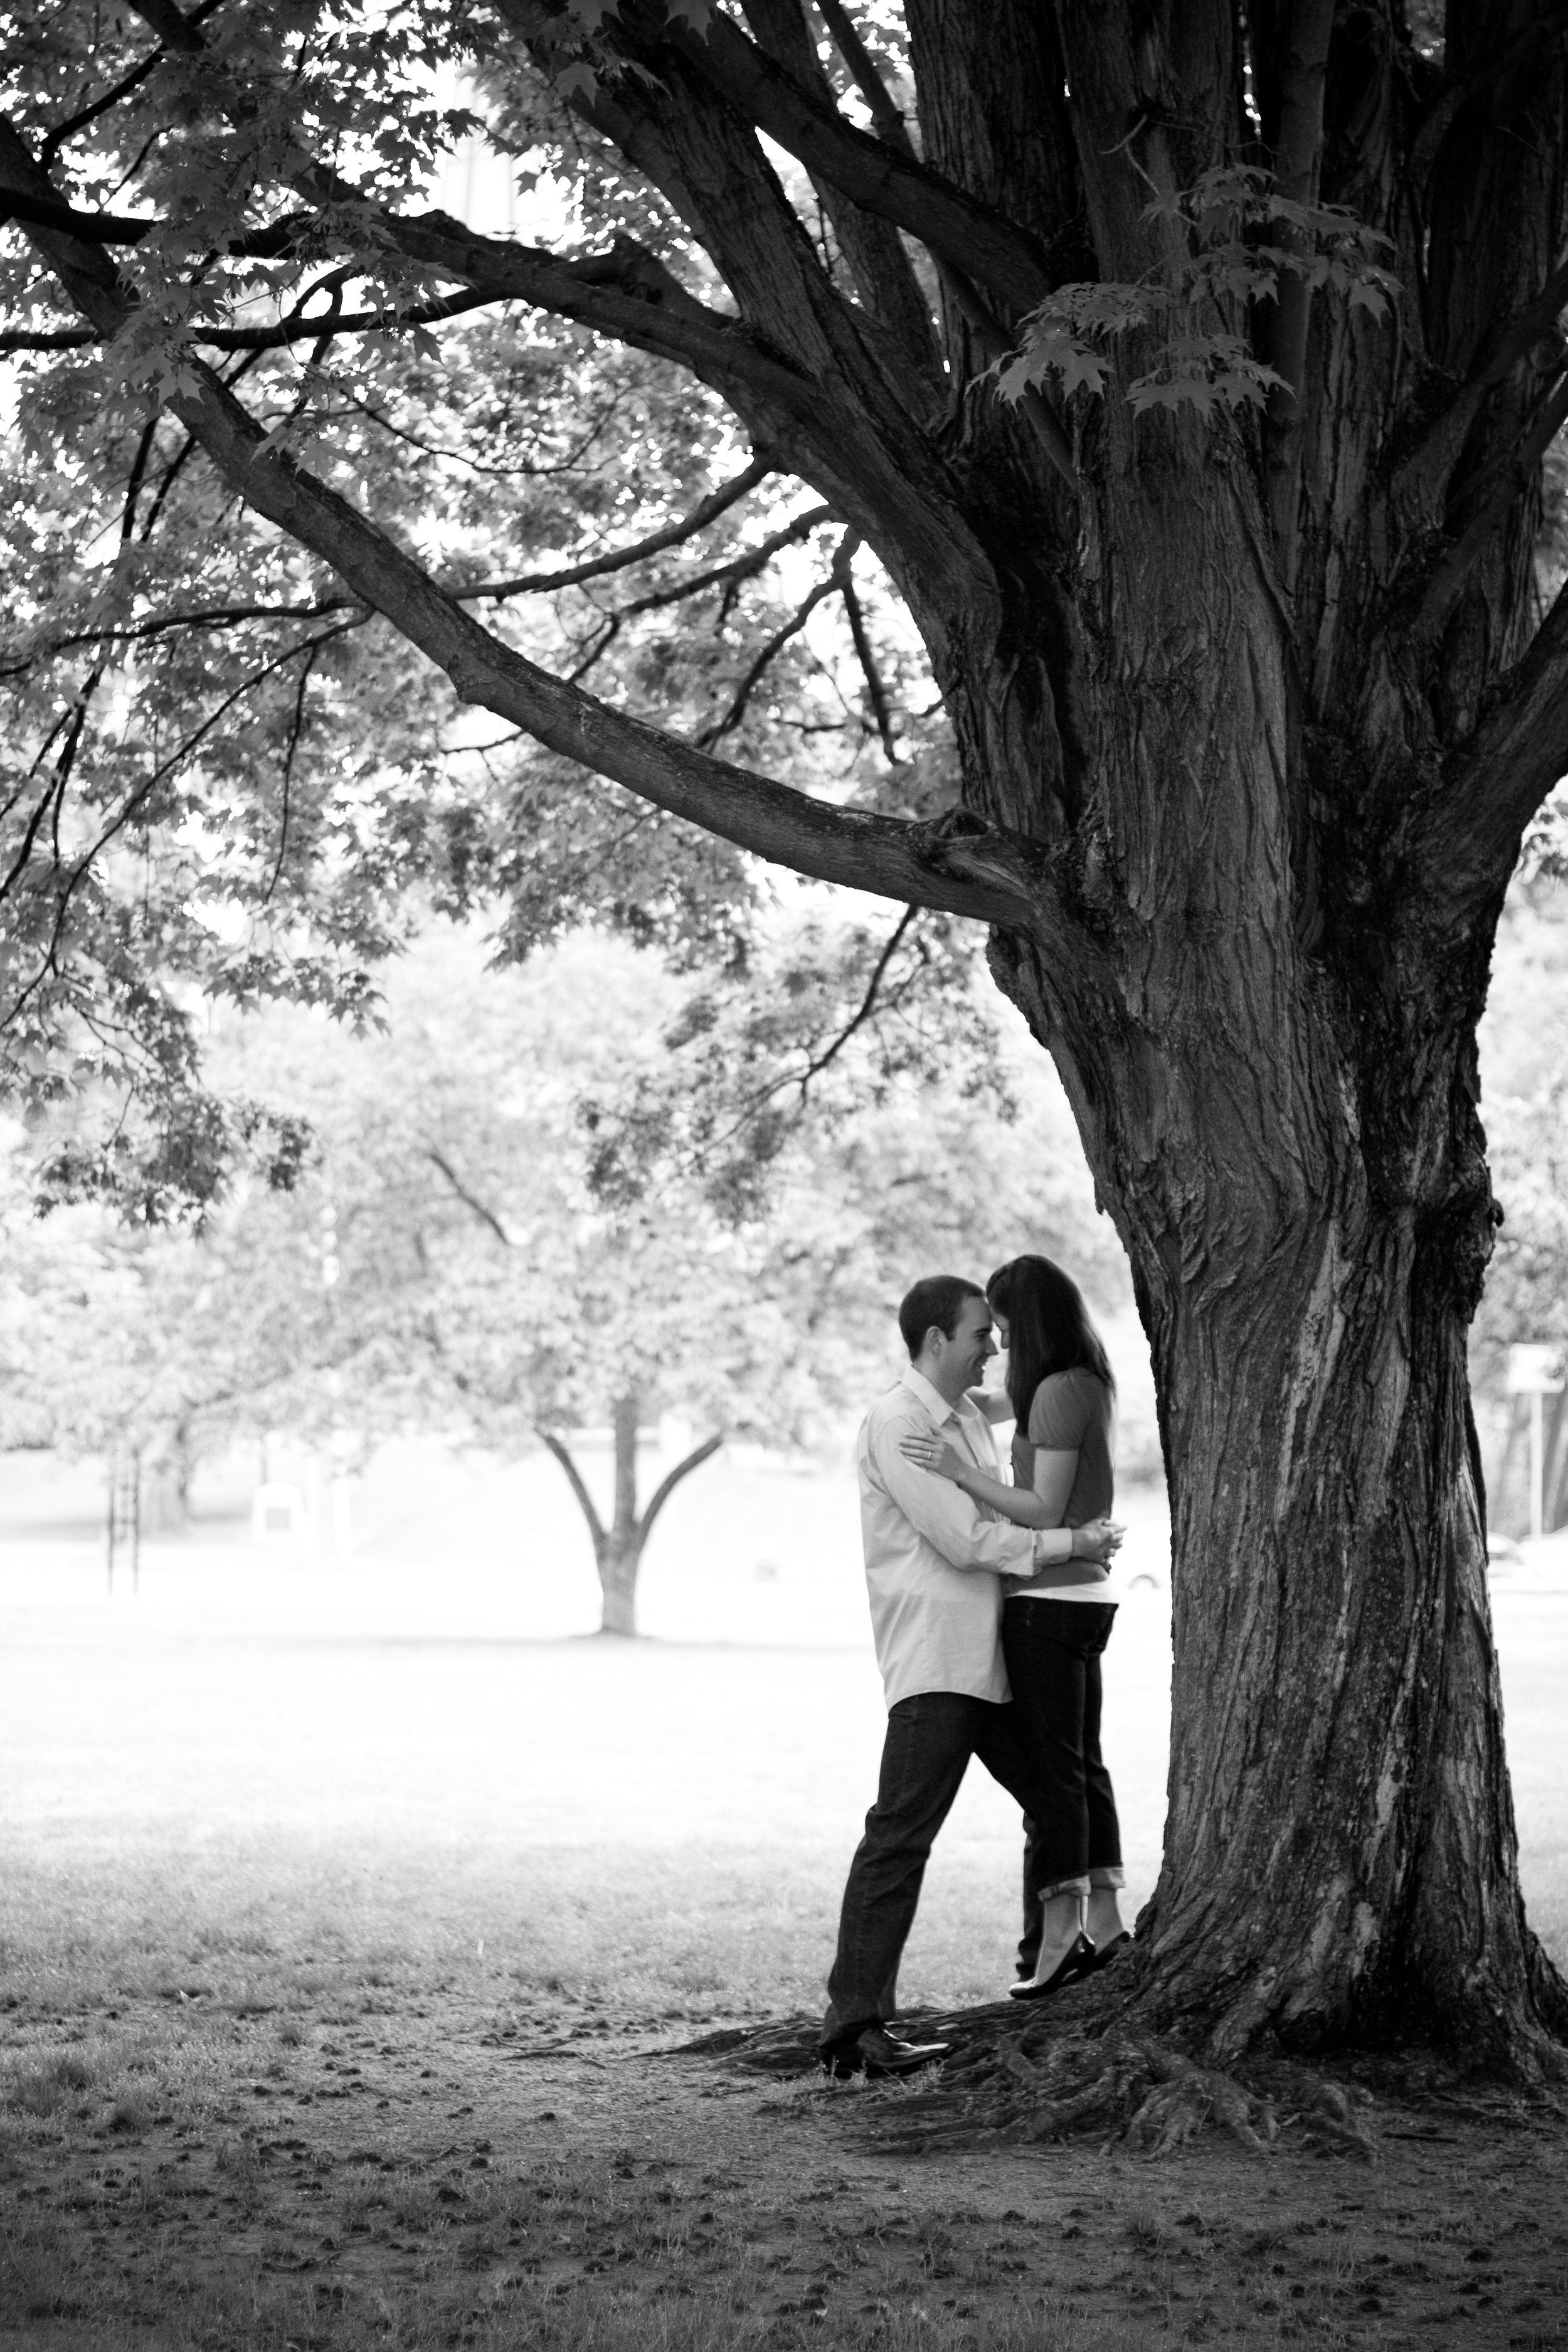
(618,1547)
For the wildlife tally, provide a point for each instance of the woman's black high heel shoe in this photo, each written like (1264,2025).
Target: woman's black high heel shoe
(1078,1962)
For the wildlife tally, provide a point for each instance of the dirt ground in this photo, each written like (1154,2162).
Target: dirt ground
(410,2167)
(345,1960)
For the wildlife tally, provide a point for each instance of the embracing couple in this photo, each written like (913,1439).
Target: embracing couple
(989,1612)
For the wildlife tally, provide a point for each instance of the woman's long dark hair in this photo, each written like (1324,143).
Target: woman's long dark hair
(1048,1328)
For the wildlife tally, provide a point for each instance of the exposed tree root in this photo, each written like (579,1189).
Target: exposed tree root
(1089,2064)
(1029,2083)
(1026,2077)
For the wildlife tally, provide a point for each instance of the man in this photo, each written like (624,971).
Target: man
(934,1565)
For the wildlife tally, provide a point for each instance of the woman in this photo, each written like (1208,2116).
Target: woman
(1061,1396)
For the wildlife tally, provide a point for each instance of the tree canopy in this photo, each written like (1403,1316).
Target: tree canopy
(189,692)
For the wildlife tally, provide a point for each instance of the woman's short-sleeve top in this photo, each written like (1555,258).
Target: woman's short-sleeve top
(1073,1412)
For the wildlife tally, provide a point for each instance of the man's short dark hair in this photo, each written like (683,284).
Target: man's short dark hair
(936,1302)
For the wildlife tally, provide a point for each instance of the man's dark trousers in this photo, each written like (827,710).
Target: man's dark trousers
(929,1741)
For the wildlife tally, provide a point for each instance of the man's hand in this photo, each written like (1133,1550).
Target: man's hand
(1099,1540)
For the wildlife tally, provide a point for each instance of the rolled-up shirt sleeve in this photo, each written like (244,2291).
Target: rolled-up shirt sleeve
(948,1518)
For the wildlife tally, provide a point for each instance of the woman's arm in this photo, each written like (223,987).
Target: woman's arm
(995,1403)
(1056,1472)
(1040,1508)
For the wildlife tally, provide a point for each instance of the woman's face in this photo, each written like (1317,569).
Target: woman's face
(1001,1323)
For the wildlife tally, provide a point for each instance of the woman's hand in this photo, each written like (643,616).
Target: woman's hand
(933,1452)
(1099,1540)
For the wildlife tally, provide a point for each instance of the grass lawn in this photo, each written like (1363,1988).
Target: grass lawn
(343,1955)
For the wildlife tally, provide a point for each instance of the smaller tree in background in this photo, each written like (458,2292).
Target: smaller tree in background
(585,1192)
(589,1191)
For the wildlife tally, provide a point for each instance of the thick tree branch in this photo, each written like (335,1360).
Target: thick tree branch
(834,409)
(858,438)
(967,868)
(881,269)
(1491,789)
(1501,489)
(961,290)
(87,228)
(627,295)
(878,178)
(1440,444)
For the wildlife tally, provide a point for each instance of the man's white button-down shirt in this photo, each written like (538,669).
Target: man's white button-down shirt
(934,1557)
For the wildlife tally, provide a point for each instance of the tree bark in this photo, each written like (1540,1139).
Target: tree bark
(1340,1858)
(1281,1112)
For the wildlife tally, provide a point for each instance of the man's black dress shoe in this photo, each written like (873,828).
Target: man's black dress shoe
(1079,1962)
(874,2050)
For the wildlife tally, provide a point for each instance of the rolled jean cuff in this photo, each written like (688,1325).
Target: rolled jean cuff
(1064,1886)
(1107,1874)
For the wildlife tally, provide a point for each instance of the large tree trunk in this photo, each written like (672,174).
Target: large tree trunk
(1340,1857)
(1281,1117)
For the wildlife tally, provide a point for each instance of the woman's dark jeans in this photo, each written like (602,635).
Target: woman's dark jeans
(1052,1649)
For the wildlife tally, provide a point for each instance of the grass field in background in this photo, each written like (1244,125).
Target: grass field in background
(182,1781)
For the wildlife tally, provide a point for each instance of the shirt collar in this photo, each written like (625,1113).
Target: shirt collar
(935,1404)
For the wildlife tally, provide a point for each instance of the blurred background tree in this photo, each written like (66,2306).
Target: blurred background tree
(586,1192)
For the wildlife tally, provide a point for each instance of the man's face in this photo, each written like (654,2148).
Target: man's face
(965,1357)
